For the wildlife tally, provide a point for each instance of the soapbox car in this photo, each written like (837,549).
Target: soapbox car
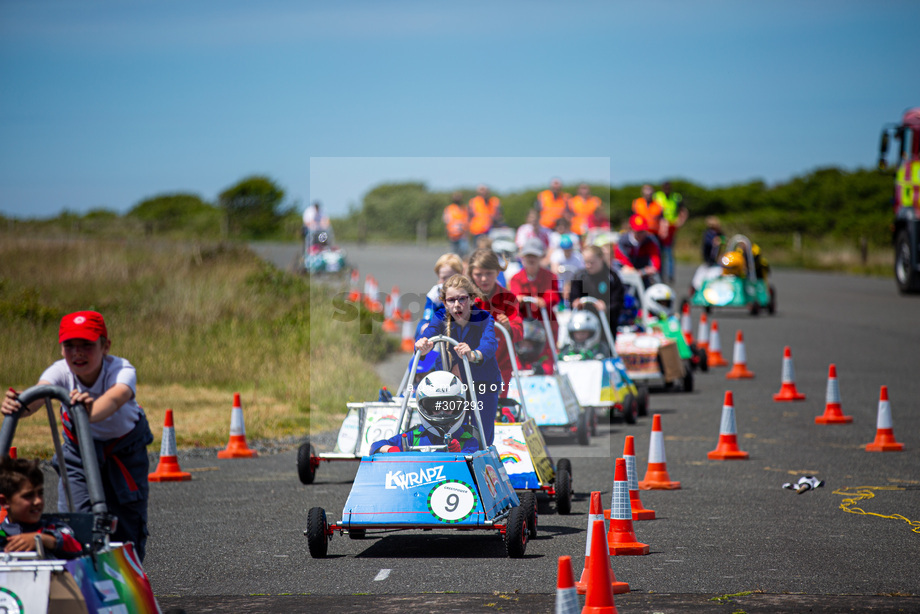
(603,385)
(652,355)
(425,489)
(711,287)
(321,254)
(522,450)
(108,576)
(551,399)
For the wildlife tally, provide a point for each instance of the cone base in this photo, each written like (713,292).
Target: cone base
(788,394)
(237,454)
(739,372)
(643,514)
(619,588)
(716,360)
(727,455)
(833,419)
(884,442)
(389,327)
(179,476)
(628,549)
(407,346)
(658,479)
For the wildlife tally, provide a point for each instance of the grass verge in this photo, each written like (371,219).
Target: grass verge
(200,322)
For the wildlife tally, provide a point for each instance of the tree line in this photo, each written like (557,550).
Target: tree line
(827,202)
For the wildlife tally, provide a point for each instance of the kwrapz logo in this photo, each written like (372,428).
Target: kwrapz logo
(414,479)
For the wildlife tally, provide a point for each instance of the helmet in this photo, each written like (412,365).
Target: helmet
(584,321)
(533,342)
(660,298)
(733,264)
(441,401)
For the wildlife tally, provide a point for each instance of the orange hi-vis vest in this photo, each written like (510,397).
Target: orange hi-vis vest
(582,210)
(456,220)
(483,214)
(551,208)
(652,212)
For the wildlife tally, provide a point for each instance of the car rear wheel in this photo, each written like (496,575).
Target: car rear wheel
(529,503)
(306,469)
(643,400)
(582,430)
(563,491)
(687,382)
(317,539)
(907,278)
(630,409)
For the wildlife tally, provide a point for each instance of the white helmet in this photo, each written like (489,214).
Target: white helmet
(584,320)
(441,401)
(660,299)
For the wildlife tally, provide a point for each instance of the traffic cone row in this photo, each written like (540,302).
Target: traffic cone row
(354,294)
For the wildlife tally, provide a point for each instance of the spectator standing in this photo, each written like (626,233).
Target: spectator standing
(485,212)
(646,207)
(553,204)
(584,207)
(457,223)
(674,216)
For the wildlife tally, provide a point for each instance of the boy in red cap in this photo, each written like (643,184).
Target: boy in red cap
(106,386)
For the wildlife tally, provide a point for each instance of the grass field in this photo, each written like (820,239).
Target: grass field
(199,322)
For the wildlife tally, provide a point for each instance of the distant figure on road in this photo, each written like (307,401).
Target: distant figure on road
(314,219)
(713,241)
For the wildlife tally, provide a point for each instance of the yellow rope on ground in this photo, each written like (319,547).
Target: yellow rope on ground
(855,494)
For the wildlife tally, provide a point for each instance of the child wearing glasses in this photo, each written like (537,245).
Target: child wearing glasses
(473,328)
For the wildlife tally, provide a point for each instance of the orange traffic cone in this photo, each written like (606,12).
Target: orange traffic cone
(367,297)
(686,324)
(702,333)
(728,434)
(168,469)
(639,511)
(833,413)
(408,337)
(621,538)
(656,476)
(237,447)
(354,295)
(884,432)
(714,352)
(739,360)
(397,313)
(389,320)
(599,598)
(566,597)
(787,391)
(596,512)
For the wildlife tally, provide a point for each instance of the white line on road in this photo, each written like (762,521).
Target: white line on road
(382,575)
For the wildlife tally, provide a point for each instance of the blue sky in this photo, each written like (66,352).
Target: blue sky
(103,104)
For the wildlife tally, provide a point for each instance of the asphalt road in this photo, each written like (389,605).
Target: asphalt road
(231,539)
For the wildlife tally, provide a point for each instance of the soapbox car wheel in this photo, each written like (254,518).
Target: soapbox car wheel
(306,469)
(643,400)
(754,309)
(317,538)
(563,491)
(592,421)
(703,359)
(582,429)
(529,503)
(687,382)
(564,463)
(516,532)
(771,306)
(630,409)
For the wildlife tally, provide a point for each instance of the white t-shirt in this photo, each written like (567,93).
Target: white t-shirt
(115,370)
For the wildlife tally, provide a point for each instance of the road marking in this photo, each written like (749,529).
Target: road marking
(382,575)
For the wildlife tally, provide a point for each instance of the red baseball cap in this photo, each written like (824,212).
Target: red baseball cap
(638,223)
(87,325)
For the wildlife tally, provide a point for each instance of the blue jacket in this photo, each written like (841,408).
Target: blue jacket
(419,436)
(479,334)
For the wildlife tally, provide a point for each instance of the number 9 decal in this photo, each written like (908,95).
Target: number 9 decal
(452,501)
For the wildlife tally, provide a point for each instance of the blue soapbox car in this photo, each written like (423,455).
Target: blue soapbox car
(430,490)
